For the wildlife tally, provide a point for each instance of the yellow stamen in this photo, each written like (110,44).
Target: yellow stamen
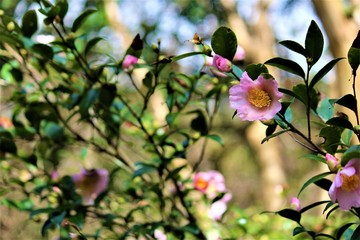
(350,183)
(201,183)
(259,98)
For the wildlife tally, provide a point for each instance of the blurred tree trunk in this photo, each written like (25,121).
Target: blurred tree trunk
(341,31)
(258,41)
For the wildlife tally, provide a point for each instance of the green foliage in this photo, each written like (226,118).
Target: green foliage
(224,42)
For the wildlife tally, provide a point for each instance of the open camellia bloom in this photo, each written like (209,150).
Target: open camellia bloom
(210,183)
(218,208)
(91,183)
(346,187)
(255,100)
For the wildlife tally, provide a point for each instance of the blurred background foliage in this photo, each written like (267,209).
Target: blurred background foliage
(258,175)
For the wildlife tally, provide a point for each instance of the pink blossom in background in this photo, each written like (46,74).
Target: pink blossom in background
(159,235)
(91,183)
(239,54)
(218,208)
(221,63)
(332,162)
(255,100)
(129,61)
(295,203)
(210,183)
(345,190)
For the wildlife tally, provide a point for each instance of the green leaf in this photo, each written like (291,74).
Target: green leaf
(224,42)
(185,55)
(314,43)
(91,44)
(255,70)
(342,229)
(88,100)
(148,80)
(332,136)
(340,122)
(313,180)
(294,46)
(286,65)
(54,219)
(325,109)
(314,157)
(199,123)
(274,135)
(354,54)
(356,234)
(41,210)
(43,51)
(216,138)
(298,230)
(323,71)
(136,47)
(107,95)
(7,145)
(52,130)
(348,101)
(143,168)
(64,7)
(290,214)
(29,23)
(79,20)
(315,204)
(324,184)
(300,91)
(352,152)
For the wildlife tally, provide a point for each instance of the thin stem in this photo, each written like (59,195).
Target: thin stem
(308,107)
(354,90)
(295,130)
(236,76)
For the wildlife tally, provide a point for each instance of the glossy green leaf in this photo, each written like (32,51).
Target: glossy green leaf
(314,43)
(290,214)
(143,168)
(136,47)
(185,55)
(224,42)
(313,180)
(29,23)
(88,100)
(216,138)
(274,135)
(43,51)
(64,7)
(323,71)
(354,54)
(294,46)
(79,20)
(332,136)
(52,130)
(286,65)
(323,183)
(349,102)
(315,204)
(300,91)
(199,123)
(255,70)
(92,43)
(325,109)
(356,233)
(352,152)
(342,229)
(298,230)
(340,122)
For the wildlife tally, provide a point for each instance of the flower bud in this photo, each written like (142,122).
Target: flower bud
(10,26)
(332,162)
(222,64)
(295,204)
(1,12)
(207,50)
(128,62)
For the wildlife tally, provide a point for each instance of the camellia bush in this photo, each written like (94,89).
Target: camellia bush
(68,104)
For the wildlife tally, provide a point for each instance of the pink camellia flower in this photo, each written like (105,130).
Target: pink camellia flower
(295,203)
(210,183)
(222,64)
(159,235)
(129,61)
(346,187)
(239,54)
(91,183)
(332,162)
(255,100)
(218,208)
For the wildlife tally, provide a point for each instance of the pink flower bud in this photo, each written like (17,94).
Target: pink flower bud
(332,162)
(222,64)
(129,61)
(295,203)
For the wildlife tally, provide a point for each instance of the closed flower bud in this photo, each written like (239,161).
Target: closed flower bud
(222,64)
(332,162)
